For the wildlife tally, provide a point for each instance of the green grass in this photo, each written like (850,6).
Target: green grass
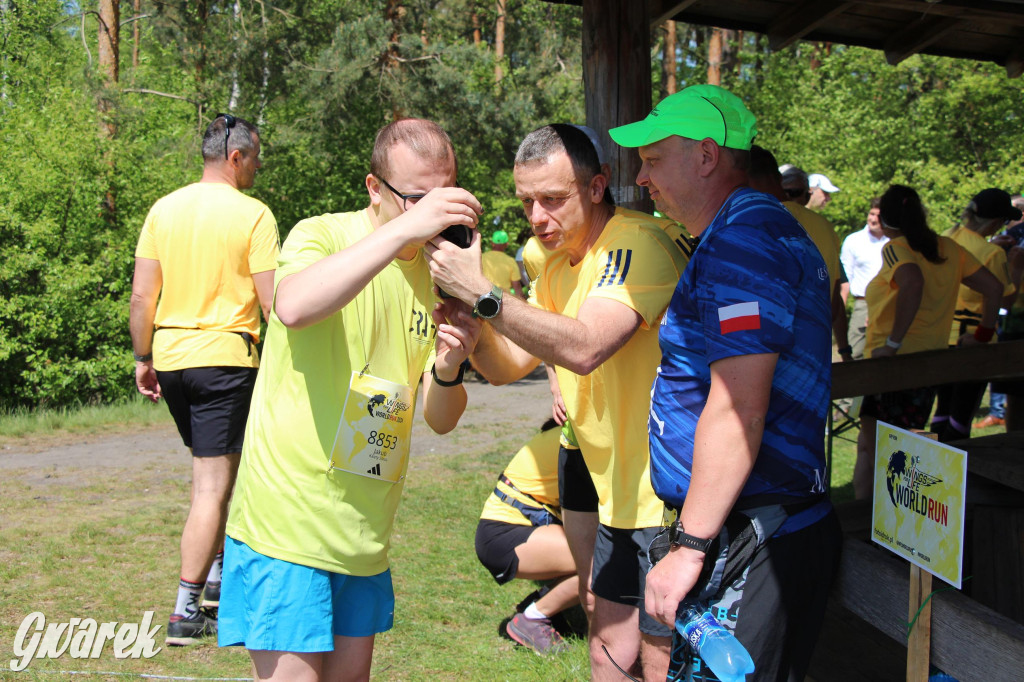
(88,419)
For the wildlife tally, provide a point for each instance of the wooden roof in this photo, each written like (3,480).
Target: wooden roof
(983,30)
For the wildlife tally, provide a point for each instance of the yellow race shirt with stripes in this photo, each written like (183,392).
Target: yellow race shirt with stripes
(636,261)
(930,328)
(530,479)
(970,303)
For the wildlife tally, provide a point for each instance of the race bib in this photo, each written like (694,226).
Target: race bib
(373,434)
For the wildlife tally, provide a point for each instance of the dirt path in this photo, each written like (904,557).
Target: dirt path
(522,405)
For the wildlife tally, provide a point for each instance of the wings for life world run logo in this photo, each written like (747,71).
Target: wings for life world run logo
(908,488)
(380,407)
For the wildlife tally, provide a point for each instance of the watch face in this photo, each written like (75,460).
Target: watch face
(488,306)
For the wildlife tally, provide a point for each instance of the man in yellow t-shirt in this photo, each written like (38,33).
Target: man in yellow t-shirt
(764,176)
(355,328)
(985,215)
(499,267)
(204,267)
(594,313)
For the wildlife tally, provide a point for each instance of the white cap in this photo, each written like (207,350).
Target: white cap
(816,180)
(594,140)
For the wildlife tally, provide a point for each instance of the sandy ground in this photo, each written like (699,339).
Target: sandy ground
(524,404)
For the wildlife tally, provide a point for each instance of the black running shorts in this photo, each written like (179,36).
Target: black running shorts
(210,406)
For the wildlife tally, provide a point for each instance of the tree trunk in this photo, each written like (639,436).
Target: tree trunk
(136,33)
(729,53)
(499,40)
(668,61)
(475,20)
(110,20)
(236,90)
(715,57)
(109,32)
(394,13)
(202,14)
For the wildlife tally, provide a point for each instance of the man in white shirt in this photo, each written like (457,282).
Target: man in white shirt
(861,257)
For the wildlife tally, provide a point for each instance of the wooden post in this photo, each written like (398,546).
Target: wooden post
(919,643)
(617,85)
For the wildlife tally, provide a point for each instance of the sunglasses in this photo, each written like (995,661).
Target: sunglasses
(229,123)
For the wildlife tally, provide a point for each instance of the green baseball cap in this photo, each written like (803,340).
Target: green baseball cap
(697,112)
(499,237)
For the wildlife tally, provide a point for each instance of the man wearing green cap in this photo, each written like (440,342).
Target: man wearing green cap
(499,267)
(738,407)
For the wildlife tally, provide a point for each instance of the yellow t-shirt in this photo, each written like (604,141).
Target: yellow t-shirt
(637,262)
(500,268)
(288,503)
(930,328)
(824,236)
(969,303)
(209,239)
(533,471)
(534,255)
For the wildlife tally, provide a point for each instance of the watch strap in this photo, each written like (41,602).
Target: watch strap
(142,358)
(678,537)
(454,382)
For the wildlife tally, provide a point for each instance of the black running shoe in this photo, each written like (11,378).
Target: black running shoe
(211,595)
(186,630)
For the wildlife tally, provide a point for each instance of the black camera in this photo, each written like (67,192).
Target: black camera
(458,235)
(461,237)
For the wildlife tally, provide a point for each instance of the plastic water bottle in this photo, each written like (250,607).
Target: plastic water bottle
(716,646)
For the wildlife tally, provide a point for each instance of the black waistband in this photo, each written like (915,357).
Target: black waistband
(246,336)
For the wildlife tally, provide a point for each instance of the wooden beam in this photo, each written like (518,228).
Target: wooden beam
(930,368)
(918,35)
(617,86)
(967,637)
(799,20)
(977,10)
(661,11)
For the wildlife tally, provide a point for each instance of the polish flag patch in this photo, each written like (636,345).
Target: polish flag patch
(739,317)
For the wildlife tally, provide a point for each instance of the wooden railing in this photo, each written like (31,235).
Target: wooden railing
(968,640)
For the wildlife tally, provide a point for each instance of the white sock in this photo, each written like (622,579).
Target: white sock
(533,613)
(188,597)
(215,568)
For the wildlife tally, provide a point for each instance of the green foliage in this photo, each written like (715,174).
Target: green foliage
(320,77)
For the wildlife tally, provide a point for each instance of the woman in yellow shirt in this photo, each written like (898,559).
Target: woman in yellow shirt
(910,309)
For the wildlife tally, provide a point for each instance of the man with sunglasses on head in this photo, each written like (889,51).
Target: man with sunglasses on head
(204,268)
(354,330)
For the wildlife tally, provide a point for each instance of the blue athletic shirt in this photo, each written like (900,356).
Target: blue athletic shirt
(756,284)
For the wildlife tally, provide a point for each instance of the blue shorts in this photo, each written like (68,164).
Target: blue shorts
(268,604)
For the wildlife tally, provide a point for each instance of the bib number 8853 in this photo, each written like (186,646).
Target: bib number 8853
(382,440)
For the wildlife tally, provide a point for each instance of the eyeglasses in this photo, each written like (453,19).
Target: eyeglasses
(405,197)
(229,123)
